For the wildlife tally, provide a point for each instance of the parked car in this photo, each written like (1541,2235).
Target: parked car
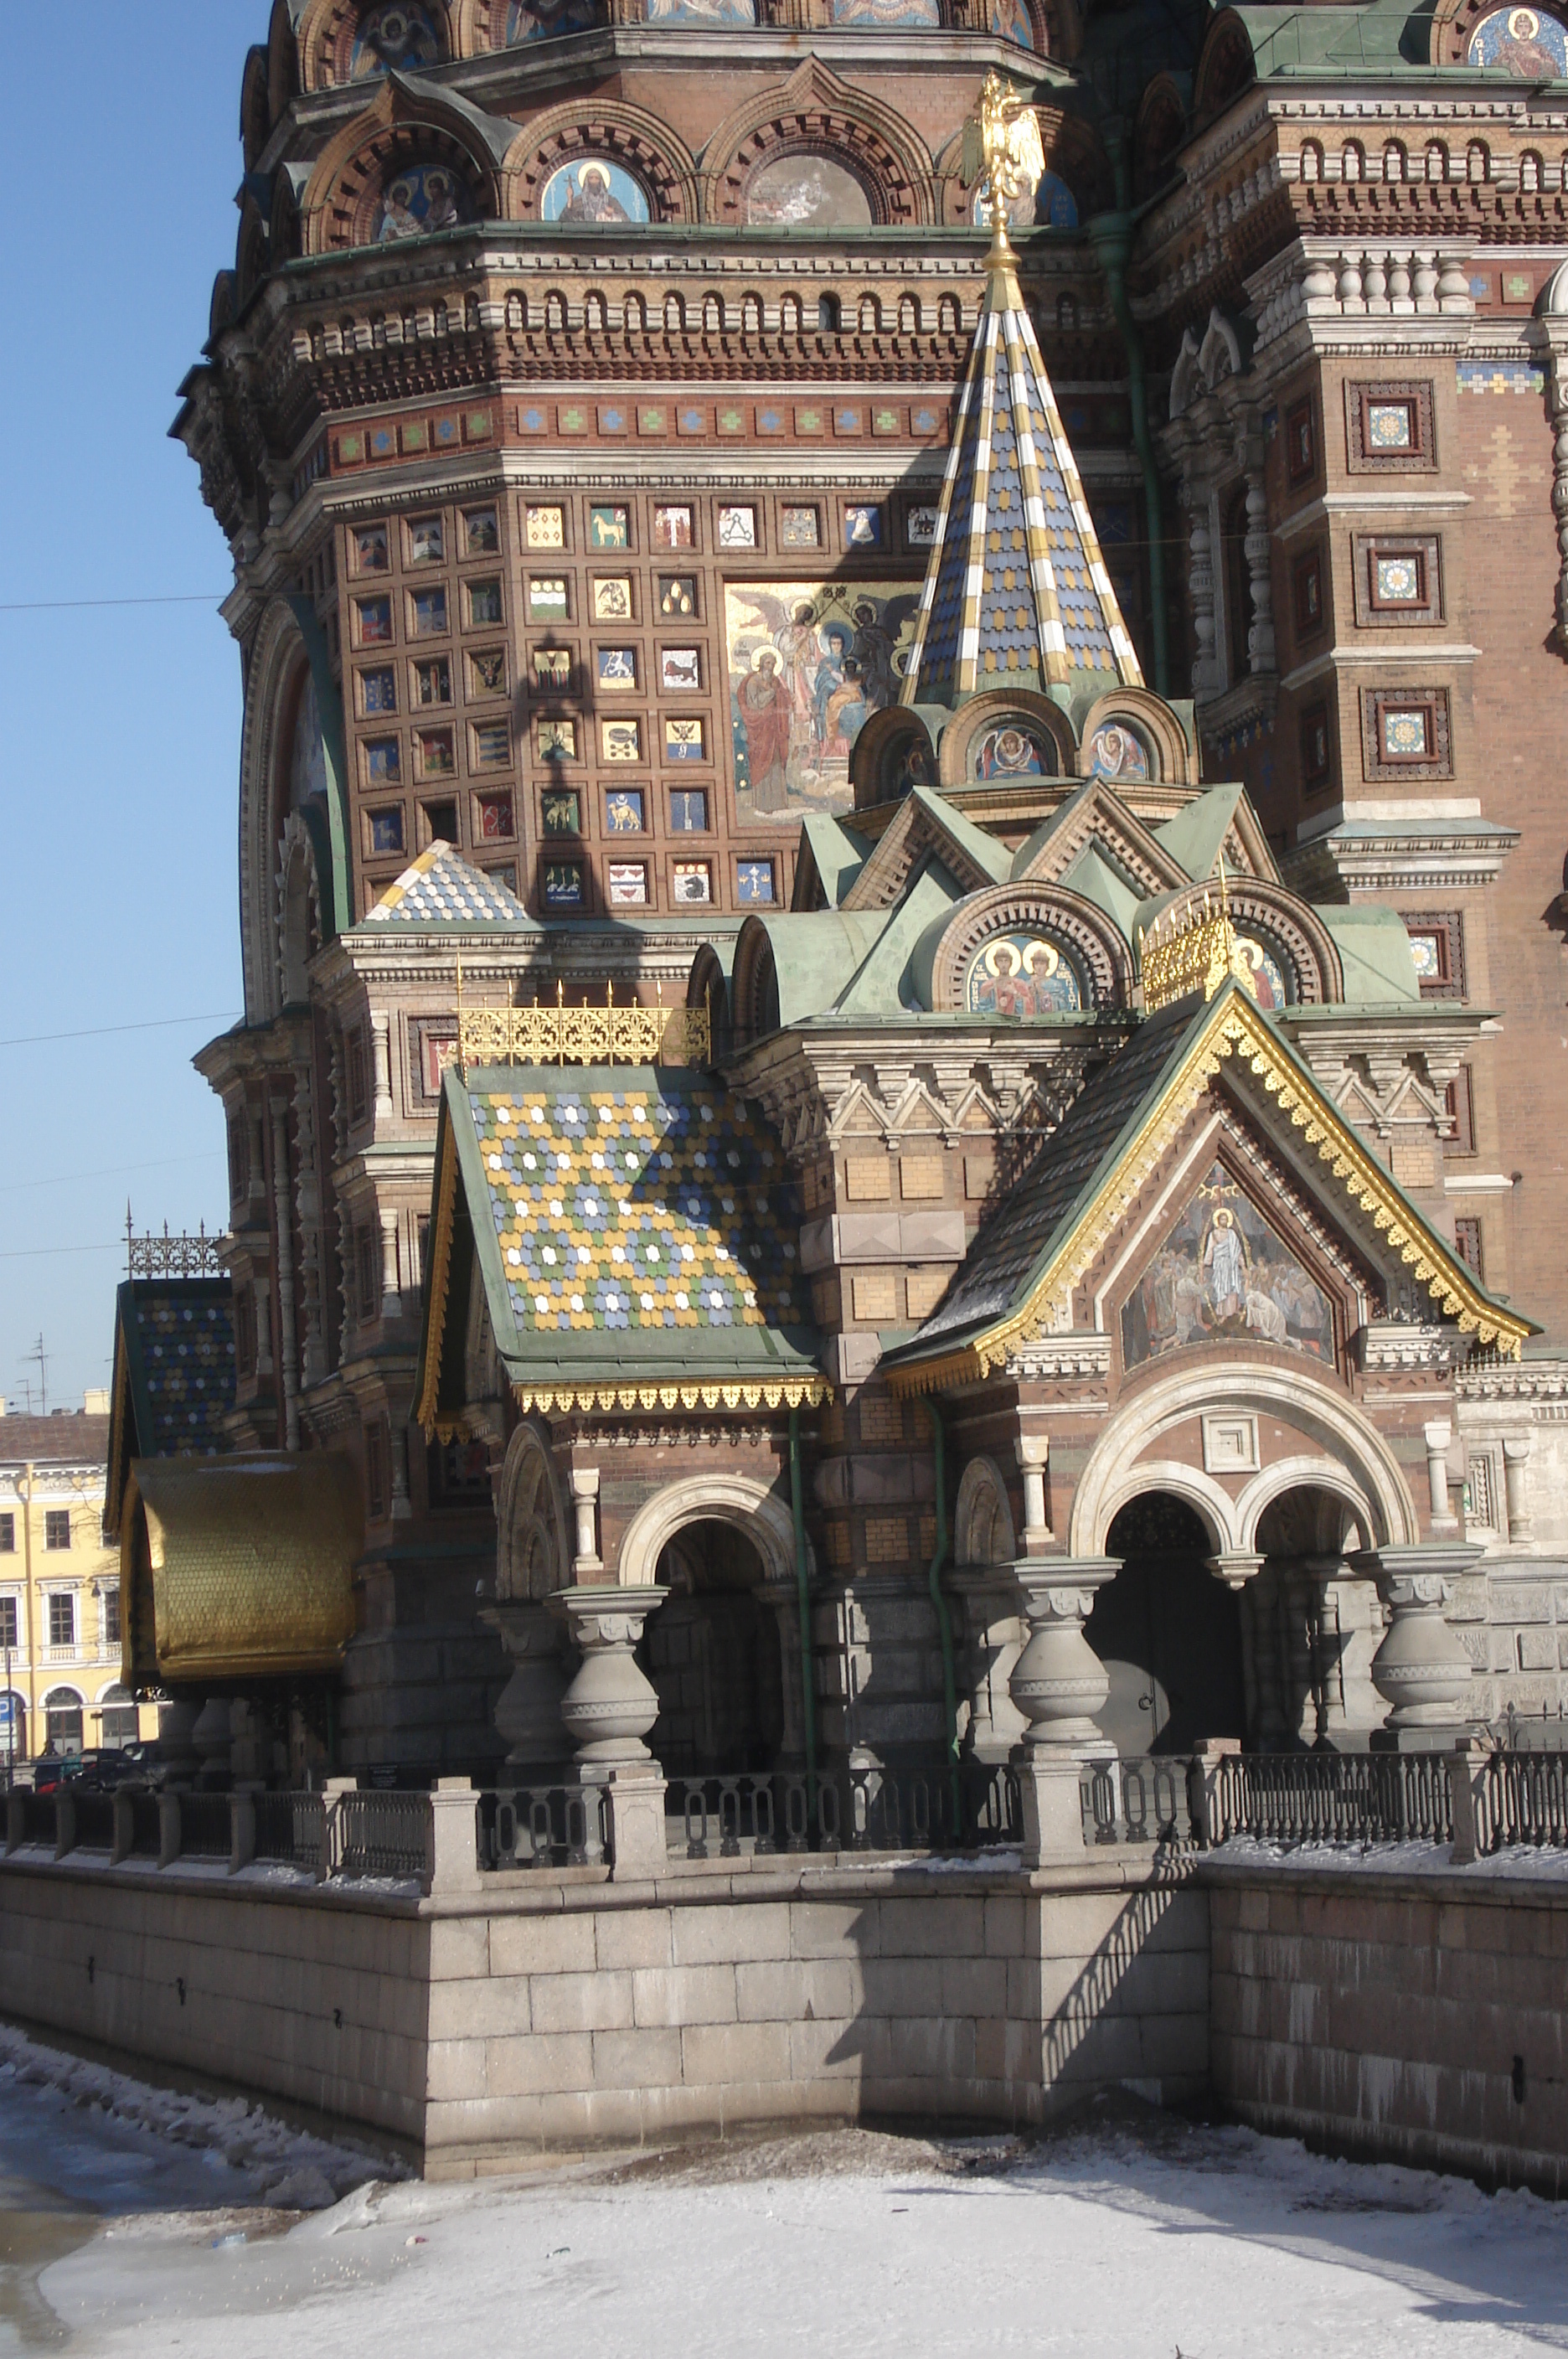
(98,1771)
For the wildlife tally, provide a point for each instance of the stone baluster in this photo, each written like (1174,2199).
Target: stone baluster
(584,1482)
(528,1713)
(1421,1670)
(1437,1437)
(608,1710)
(1032,1451)
(1058,1683)
(1256,548)
(1205,670)
(391,1299)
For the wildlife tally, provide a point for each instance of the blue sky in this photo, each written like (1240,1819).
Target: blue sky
(119,753)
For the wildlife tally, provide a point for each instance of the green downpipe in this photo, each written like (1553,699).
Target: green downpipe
(945,1621)
(803,1593)
(1111,234)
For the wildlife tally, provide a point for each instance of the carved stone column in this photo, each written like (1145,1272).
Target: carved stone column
(402,1508)
(1256,549)
(1206,676)
(1032,1451)
(310,1199)
(1515,1484)
(1421,1670)
(1058,1682)
(391,1300)
(1437,1437)
(381,1060)
(611,1705)
(584,1482)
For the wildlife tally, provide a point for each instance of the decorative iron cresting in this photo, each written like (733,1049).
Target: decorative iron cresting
(175,1257)
(1193,952)
(581,1036)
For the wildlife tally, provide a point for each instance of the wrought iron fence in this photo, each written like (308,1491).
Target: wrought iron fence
(874,1809)
(289,1829)
(94,1821)
(37,1816)
(1521,1798)
(146,1826)
(377,1834)
(544,1826)
(206,1826)
(1362,1797)
(1148,1801)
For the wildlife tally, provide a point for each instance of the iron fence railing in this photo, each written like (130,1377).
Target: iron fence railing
(1521,1798)
(206,1826)
(289,1829)
(377,1834)
(147,1825)
(544,1826)
(970,1806)
(94,1821)
(1363,1798)
(1148,1801)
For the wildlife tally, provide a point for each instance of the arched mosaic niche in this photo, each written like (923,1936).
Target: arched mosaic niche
(1013,748)
(1011,21)
(700,12)
(593,190)
(1225,1274)
(886,12)
(396,35)
(1020,975)
(1118,750)
(542,20)
(1523,41)
(1022,951)
(806,191)
(419,199)
(1265,974)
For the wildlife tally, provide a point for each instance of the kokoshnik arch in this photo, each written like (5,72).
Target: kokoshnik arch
(809,1126)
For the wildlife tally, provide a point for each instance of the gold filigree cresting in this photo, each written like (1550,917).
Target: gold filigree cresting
(746,1393)
(1236,1030)
(1194,952)
(581,1036)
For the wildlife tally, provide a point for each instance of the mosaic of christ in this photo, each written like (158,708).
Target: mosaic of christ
(1222,1274)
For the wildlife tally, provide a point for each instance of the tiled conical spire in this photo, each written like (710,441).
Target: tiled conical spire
(1017,595)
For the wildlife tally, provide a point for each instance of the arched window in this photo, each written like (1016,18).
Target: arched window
(751,315)
(595,314)
(713,314)
(828,314)
(949,319)
(1352,162)
(117,1714)
(908,315)
(1311,161)
(870,315)
(790,315)
(1531,174)
(1437,161)
(636,316)
(674,313)
(1393,161)
(62,1721)
(1477,162)
(1067,312)
(555,313)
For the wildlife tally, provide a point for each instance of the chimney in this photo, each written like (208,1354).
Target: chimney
(95,1402)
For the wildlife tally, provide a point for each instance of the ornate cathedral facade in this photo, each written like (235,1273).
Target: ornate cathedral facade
(902,890)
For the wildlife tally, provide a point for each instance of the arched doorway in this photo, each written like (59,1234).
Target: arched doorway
(1312,1626)
(713,1654)
(63,1719)
(1168,1632)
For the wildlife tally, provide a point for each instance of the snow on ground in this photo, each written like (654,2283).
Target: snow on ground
(1523,1863)
(135,2219)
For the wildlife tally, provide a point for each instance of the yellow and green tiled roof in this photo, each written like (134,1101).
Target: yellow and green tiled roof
(174,1374)
(628,1223)
(1017,595)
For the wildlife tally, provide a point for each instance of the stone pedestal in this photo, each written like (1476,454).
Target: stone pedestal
(452,1839)
(610,1706)
(527,1714)
(1421,1670)
(1058,1683)
(636,1824)
(212,1740)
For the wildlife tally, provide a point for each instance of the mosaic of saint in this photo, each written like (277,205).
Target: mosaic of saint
(885,12)
(807,190)
(1521,41)
(1264,977)
(1014,751)
(424,197)
(1010,22)
(540,20)
(396,37)
(807,664)
(1222,1274)
(1019,976)
(700,12)
(595,190)
(1116,752)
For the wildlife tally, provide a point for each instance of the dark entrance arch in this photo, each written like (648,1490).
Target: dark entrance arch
(1168,1632)
(712,1652)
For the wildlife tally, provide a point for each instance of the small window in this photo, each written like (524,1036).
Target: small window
(62,1721)
(358,1094)
(1459,1100)
(828,314)
(57,1530)
(62,1621)
(111,1615)
(118,1718)
(1317,757)
(1307,593)
(440,822)
(7,1534)
(367,1248)
(10,1627)
(1300,443)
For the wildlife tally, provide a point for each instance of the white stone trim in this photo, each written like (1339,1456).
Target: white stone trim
(735,1499)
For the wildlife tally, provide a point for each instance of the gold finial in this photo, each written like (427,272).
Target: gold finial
(1004,150)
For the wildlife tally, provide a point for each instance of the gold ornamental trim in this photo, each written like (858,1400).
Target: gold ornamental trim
(806,1391)
(581,1036)
(1195,952)
(1236,1030)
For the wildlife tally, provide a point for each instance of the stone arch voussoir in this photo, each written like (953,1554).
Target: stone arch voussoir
(1096,945)
(624,134)
(749,1507)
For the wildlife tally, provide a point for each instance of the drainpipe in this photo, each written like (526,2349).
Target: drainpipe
(1111,236)
(802,1589)
(945,1621)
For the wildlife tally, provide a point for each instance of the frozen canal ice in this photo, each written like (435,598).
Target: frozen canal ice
(139,2220)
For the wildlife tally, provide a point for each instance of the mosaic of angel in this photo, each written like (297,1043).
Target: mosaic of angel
(1222,1274)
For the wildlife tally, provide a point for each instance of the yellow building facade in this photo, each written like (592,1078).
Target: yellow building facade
(60,1687)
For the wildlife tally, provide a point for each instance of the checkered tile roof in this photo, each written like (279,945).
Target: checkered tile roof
(441,889)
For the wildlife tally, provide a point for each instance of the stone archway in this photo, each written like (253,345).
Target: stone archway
(714,1654)
(533,1560)
(1314,1621)
(1168,1632)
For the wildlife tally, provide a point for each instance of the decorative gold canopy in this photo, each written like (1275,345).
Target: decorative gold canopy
(238,1568)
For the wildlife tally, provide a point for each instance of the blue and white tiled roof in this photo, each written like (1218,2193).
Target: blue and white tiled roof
(441,889)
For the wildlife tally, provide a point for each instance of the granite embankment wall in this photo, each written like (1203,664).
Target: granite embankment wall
(1417,2019)
(558,2013)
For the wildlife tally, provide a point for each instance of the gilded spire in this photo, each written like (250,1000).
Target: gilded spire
(1015,594)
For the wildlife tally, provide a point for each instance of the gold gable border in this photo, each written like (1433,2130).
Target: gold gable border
(1234,1033)
(747,1394)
